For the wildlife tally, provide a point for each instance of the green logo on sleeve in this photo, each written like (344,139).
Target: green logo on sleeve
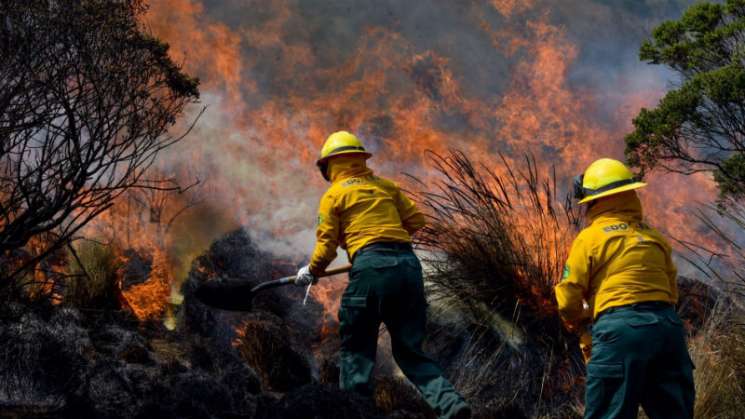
(565,275)
(320,219)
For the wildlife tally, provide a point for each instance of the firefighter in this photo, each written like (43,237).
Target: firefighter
(622,269)
(373,221)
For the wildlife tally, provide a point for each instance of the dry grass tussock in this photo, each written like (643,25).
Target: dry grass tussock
(718,352)
(495,245)
(92,276)
(719,355)
(718,348)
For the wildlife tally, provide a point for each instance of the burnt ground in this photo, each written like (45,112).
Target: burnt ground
(64,362)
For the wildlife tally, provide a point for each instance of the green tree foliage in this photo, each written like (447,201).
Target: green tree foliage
(700,125)
(87,99)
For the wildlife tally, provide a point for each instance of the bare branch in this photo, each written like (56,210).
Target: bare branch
(87,99)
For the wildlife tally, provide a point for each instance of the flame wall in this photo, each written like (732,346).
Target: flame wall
(560,80)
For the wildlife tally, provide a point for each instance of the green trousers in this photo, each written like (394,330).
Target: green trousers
(639,357)
(385,285)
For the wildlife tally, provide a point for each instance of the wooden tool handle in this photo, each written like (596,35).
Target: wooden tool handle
(336,271)
(291,279)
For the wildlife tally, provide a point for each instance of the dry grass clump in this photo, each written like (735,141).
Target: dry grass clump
(92,280)
(495,245)
(718,349)
(718,352)
(496,240)
(264,342)
(393,394)
(719,355)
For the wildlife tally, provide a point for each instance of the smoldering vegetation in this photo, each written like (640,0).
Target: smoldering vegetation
(494,247)
(89,355)
(66,362)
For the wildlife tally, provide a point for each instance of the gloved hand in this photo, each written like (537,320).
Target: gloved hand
(304,277)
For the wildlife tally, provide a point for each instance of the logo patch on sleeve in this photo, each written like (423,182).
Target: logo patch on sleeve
(616,227)
(320,219)
(566,273)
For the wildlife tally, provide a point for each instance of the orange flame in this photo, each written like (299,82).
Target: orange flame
(267,118)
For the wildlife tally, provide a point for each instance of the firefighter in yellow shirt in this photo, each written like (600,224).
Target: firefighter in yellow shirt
(622,269)
(373,220)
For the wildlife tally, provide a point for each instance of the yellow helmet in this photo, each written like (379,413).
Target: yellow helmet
(604,177)
(340,143)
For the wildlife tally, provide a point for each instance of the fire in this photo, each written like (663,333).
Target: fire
(328,292)
(147,300)
(220,67)
(157,233)
(280,78)
(511,7)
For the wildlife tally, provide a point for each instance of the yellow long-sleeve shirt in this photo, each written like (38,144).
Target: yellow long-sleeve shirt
(617,260)
(358,209)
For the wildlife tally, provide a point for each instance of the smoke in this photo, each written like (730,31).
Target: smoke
(558,80)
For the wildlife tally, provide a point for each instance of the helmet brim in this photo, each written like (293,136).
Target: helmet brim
(624,188)
(347,153)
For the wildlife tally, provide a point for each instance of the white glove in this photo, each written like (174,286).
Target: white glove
(304,277)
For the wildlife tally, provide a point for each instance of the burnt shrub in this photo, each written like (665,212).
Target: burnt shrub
(265,343)
(40,357)
(233,258)
(63,362)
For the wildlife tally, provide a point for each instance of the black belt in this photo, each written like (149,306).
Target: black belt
(643,306)
(392,246)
